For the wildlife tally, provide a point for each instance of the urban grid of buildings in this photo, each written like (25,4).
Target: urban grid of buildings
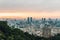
(41,27)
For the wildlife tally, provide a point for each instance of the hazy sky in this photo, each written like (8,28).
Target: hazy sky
(25,8)
(32,5)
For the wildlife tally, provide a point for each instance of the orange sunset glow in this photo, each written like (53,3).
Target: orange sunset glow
(29,14)
(29,8)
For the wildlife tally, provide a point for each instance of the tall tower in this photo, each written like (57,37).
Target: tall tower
(43,20)
(29,20)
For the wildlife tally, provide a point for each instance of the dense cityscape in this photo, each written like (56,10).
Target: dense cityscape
(40,27)
(30,29)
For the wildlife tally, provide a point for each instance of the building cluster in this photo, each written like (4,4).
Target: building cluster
(40,27)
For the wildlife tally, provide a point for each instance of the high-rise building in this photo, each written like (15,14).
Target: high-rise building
(43,20)
(29,20)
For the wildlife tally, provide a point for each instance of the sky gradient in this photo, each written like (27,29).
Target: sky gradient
(29,8)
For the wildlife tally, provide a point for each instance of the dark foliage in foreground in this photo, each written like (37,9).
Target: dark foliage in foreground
(8,33)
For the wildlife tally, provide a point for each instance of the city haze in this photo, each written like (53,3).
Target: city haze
(29,8)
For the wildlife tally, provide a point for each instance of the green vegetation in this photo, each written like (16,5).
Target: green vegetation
(8,33)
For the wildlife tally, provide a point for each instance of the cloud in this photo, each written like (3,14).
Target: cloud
(35,5)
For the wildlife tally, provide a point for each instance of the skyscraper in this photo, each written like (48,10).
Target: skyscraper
(43,20)
(29,20)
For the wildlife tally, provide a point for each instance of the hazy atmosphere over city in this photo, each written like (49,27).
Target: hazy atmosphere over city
(30,8)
